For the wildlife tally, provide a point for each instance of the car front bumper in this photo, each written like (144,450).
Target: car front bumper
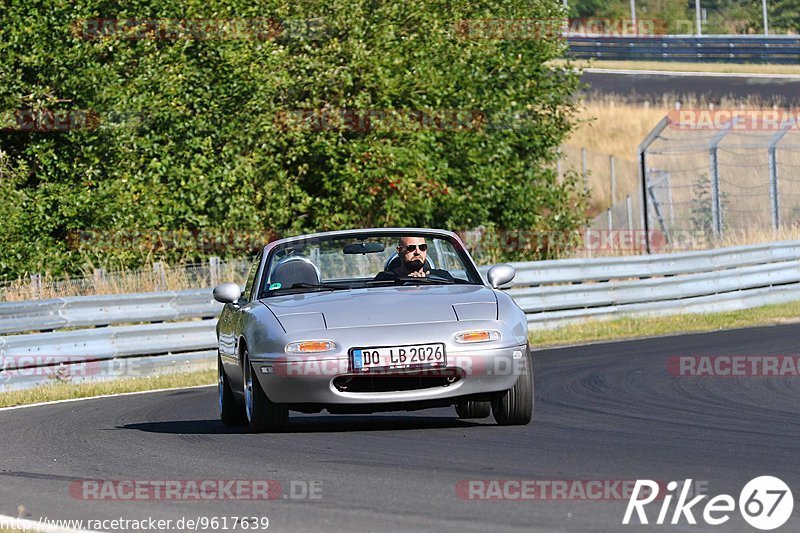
(320,379)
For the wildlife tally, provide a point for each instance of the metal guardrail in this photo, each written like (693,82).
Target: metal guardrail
(708,48)
(79,311)
(551,293)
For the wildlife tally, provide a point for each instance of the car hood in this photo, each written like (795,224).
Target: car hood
(382,306)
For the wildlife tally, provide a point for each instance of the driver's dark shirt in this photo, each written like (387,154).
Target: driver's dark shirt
(398,272)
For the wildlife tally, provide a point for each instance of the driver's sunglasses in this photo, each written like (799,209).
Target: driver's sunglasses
(412,247)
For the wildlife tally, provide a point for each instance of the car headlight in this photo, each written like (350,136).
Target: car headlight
(481,335)
(310,346)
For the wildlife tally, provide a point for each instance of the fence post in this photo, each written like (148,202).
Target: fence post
(713,170)
(36,286)
(773,178)
(629,211)
(161,276)
(214,270)
(716,205)
(643,147)
(612,164)
(99,278)
(559,157)
(584,171)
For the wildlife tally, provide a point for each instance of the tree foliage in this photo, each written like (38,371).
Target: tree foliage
(190,133)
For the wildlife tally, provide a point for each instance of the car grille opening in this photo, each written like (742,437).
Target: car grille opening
(394,382)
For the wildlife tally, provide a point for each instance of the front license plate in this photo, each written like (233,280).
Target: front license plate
(399,357)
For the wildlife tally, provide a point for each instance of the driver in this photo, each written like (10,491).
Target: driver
(413,254)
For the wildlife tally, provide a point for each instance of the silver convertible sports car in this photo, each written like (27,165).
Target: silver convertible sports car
(371,320)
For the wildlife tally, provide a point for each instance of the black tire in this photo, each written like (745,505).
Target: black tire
(515,406)
(263,415)
(473,409)
(230,411)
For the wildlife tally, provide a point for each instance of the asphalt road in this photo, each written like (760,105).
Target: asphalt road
(641,87)
(603,412)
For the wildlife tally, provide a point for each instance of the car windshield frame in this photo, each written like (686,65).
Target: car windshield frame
(471,276)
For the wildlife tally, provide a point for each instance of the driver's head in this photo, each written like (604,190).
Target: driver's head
(412,252)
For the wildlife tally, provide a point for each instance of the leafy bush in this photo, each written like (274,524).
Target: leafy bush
(192,135)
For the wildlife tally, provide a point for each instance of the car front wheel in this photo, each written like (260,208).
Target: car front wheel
(230,411)
(473,409)
(262,414)
(515,406)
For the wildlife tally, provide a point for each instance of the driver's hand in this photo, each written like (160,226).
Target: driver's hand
(417,274)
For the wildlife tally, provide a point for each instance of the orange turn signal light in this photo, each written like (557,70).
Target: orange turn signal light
(310,346)
(478,336)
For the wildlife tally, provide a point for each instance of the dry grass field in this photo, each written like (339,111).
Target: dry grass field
(676,66)
(148,279)
(613,127)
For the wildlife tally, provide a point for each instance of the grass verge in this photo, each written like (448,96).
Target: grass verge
(630,328)
(64,391)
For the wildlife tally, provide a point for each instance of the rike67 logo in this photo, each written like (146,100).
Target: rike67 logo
(765,503)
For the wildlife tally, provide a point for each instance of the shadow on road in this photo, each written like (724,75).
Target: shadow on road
(309,424)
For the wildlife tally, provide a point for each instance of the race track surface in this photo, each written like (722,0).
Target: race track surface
(603,412)
(652,87)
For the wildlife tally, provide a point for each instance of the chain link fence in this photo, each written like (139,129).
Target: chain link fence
(615,199)
(157,277)
(721,175)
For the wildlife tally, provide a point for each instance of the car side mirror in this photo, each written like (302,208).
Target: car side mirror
(227,293)
(500,275)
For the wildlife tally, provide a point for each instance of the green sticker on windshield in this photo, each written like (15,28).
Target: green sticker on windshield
(274,286)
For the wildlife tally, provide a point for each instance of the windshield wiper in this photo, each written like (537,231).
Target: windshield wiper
(303,287)
(432,280)
(319,286)
(429,279)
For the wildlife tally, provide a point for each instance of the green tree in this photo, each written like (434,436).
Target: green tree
(192,136)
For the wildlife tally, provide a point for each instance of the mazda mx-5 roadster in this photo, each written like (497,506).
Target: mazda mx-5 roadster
(371,320)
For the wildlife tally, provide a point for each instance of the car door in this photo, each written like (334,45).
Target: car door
(230,327)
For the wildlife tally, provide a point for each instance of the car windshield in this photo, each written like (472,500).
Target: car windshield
(366,260)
